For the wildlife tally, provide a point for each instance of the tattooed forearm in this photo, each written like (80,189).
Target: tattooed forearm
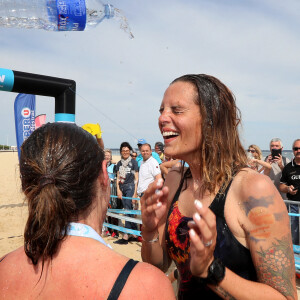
(223,293)
(275,266)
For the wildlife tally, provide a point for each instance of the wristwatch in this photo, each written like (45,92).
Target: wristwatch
(216,272)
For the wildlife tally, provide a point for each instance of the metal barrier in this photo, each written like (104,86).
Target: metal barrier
(119,214)
(293,222)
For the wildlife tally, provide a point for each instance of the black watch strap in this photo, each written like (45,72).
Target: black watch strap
(216,272)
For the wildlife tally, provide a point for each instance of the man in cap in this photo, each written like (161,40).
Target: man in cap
(139,158)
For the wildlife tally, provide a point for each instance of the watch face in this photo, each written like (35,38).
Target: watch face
(216,271)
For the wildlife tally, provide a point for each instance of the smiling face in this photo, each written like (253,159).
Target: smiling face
(296,150)
(146,152)
(253,152)
(125,152)
(180,122)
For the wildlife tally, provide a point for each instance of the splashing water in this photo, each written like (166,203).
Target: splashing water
(119,16)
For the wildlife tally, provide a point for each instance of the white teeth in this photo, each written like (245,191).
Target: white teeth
(168,133)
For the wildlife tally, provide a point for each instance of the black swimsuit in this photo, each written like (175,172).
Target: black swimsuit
(234,255)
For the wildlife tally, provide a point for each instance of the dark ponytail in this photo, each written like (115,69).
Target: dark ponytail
(59,165)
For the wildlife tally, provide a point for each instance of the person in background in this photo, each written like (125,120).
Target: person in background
(113,187)
(149,170)
(290,184)
(65,182)
(255,159)
(127,179)
(224,225)
(139,158)
(277,163)
(159,149)
(134,155)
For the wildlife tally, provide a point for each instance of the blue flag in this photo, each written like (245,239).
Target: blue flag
(24,118)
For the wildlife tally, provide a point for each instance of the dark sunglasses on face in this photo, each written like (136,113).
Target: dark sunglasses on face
(133,155)
(296,148)
(252,151)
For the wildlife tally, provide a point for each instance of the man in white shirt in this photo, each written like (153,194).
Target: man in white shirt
(149,169)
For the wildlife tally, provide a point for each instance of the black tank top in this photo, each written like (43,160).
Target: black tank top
(234,255)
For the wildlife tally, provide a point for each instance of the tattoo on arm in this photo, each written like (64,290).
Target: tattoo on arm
(275,266)
(224,293)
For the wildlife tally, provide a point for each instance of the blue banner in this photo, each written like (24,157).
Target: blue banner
(24,118)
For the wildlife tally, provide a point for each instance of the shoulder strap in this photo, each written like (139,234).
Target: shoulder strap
(177,193)
(217,206)
(121,280)
(3,258)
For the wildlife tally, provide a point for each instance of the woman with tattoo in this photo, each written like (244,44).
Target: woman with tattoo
(224,225)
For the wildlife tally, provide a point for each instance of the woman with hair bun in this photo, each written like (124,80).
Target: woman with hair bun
(224,225)
(65,182)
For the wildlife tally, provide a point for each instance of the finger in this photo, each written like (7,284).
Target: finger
(205,232)
(196,242)
(157,184)
(151,208)
(206,214)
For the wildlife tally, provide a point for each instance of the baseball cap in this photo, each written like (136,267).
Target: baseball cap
(141,142)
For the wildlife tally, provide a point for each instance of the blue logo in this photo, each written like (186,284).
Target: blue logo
(6,80)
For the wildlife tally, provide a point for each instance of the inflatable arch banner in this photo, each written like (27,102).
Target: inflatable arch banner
(63,90)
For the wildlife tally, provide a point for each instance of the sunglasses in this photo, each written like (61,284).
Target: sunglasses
(296,148)
(133,155)
(252,151)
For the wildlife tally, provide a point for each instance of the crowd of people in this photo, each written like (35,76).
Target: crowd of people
(207,205)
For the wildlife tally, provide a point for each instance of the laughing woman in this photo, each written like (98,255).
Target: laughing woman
(224,225)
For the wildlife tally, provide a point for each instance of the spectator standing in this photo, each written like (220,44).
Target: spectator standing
(139,158)
(159,149)
(277,163)
(255,159)
(290,184)
(127,178)
(149,169)
(110,167)
(134,155)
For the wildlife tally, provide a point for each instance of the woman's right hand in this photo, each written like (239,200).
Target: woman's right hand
(153,206)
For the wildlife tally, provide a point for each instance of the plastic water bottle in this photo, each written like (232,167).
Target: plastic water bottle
(54,15)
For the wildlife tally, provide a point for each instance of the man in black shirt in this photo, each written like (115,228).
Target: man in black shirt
(290,184)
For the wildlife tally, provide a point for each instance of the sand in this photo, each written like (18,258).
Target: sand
(13,210)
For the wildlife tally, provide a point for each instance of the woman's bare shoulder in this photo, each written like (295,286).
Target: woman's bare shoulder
(148,282)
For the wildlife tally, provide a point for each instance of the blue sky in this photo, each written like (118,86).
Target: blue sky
(252,46)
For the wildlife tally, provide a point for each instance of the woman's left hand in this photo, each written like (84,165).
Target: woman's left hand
(203,235)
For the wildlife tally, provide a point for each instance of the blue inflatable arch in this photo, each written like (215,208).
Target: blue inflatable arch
(64,90)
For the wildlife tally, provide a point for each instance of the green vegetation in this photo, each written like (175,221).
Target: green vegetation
(4,147)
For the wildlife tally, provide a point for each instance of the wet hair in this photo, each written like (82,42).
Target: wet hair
(257,149)
(276,140)
(127,145)
(222,154)
(59,165)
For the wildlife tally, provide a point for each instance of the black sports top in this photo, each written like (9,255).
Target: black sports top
(234,255)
